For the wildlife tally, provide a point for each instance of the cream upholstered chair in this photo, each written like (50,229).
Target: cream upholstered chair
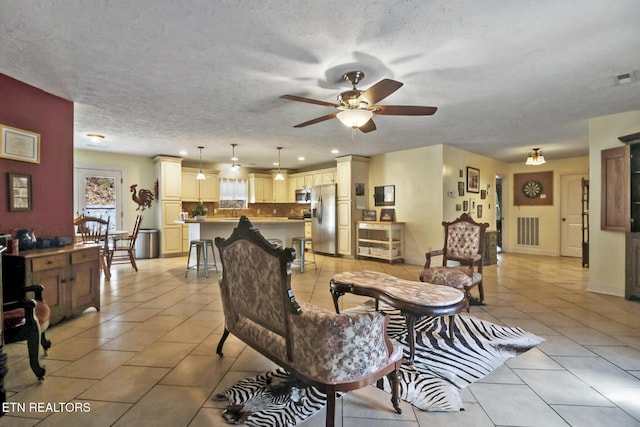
(463,243)
(334,352)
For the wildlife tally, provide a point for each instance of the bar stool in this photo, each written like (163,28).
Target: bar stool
(201,245)
(300,242)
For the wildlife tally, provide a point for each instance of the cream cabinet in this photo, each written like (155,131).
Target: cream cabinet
(260,188)
(279,188)
(169,205)
(194,190)
(383,240)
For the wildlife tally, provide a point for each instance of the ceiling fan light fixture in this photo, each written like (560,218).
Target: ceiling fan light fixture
(279,176)
(354,118)
(200,176)
(535,158)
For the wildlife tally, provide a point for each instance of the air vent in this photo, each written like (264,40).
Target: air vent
(631,138)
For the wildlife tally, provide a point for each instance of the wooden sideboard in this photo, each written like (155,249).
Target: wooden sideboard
(70,276)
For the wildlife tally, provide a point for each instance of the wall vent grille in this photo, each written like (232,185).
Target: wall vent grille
(528,231)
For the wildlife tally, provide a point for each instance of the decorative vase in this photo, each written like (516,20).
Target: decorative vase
(200,217)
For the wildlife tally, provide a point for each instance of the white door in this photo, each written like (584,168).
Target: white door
(99,193)
(571,215)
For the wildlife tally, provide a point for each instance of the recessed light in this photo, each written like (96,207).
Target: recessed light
(335,151)
(275,163)
(301,158)
(183,152)
(95,137)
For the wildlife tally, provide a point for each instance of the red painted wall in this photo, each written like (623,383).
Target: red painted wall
(26,107)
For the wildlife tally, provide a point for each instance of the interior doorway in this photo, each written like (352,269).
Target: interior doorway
(571,215)
(98,192)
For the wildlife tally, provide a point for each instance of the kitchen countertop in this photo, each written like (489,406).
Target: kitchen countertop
(256,220)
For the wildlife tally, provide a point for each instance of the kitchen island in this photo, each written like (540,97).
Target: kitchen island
(280,228)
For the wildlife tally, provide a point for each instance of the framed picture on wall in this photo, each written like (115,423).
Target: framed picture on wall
(368,215)
(19,192)
(387,215)
(473,180)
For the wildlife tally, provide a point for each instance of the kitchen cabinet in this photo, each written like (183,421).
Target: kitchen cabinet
(70,277)
(169,204)
(193,190)
(279,188)
(349,170)
(382,240)
(260,188)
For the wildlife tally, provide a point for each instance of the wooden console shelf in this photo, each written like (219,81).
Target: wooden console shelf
(383,240)
(70,276)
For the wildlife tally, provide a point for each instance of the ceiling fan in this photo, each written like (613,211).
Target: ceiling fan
(356,107)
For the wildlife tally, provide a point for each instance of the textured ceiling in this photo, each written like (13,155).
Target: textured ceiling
(160,76)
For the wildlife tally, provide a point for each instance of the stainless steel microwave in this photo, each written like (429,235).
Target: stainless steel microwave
(303,195)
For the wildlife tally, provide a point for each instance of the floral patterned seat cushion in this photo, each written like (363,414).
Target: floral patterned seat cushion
(450,276)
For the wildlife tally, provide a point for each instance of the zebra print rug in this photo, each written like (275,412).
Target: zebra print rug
(441,370)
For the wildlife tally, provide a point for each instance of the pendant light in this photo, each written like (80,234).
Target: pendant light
(200,175)
(535,158)
(234,167)
(279,176)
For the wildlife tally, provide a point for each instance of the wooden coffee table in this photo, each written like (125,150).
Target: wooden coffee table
(413,299)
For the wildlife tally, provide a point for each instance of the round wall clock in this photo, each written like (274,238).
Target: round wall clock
(532,189)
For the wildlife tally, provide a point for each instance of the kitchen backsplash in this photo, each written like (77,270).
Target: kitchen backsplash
(254,210)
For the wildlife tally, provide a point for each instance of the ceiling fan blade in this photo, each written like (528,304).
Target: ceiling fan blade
(381,90)
(404,110)
(368,127)
(317,120)
(308,100)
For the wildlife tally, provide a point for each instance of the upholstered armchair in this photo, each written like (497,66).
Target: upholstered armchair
(334,352)
(463,244)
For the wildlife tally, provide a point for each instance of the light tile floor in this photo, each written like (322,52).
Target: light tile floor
(148,356)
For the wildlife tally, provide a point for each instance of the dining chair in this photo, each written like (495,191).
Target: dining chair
(95,230)
(124,247)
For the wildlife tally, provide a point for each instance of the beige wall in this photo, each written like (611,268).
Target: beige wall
(135,170)
(417,175)
(606,248)
(550,216)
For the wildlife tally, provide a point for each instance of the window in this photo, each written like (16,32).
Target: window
(233,193)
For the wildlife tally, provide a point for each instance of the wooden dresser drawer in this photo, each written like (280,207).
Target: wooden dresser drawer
(79,257)
(48,262)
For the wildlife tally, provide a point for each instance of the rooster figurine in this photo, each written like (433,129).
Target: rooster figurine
(142,198)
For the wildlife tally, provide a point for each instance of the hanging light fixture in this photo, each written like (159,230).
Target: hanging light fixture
(354,118)
(234,166)
(200,175)
(535,157)
(279,176)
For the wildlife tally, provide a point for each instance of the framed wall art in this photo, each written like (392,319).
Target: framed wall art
(460,188)
(385,195)
(388,215)
(17,144)
(368,215)
(533,189)
(19,192)
(473,180)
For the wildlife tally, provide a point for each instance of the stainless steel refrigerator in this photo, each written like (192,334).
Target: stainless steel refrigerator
(324,220)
